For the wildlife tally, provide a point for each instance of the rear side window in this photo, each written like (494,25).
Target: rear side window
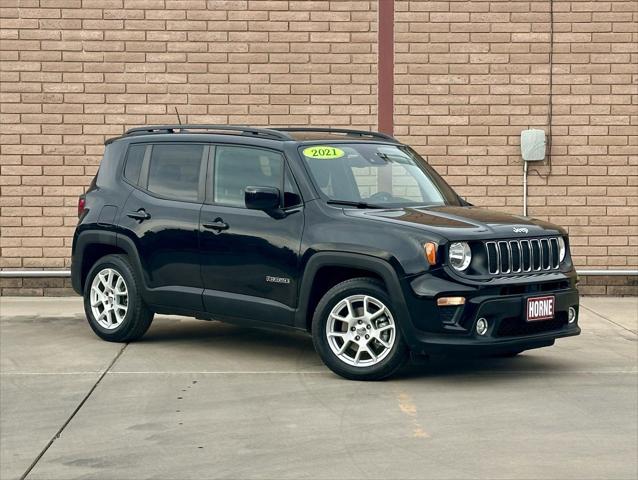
(134,160)
(175,170)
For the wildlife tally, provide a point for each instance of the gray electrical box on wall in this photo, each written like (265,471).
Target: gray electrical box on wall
(533,145)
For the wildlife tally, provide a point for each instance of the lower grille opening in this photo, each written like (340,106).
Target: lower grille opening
(534,288)
(516,326)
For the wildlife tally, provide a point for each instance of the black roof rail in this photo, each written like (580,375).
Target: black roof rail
(240,129)
(357,133)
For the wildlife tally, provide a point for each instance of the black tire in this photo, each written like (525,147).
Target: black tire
(394,360)
(138,317)
(509,354)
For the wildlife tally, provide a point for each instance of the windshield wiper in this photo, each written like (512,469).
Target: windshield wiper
(348,203)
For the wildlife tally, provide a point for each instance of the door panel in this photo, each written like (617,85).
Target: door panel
(164,229)
(167,241)
(250,259)
(254,246)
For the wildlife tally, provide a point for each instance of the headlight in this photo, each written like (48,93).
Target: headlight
(460,255)
(561,249)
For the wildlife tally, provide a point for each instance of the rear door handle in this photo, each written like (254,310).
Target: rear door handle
(140,215)
(216,225)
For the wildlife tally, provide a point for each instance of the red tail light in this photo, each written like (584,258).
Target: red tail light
(81,205)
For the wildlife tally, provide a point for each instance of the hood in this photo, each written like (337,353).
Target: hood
(462,223)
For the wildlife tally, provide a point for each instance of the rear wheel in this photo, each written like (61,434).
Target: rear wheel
(112,302)
(354,330)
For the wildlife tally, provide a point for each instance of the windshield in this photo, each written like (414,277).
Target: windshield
(376,175)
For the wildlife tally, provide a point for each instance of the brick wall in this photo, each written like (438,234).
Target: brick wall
(75,72)
(469,76)
(609,285)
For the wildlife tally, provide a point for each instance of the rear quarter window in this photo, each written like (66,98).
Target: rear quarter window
(133,165)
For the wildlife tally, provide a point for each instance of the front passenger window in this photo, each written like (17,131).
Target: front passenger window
(239,167)
(291,194)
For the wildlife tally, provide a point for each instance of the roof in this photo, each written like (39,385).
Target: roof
(276,133)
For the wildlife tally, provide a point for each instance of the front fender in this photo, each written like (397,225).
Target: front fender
(381,267)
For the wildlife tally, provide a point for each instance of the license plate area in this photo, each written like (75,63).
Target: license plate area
(540,308)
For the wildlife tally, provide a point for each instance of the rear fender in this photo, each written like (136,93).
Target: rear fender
(110,240)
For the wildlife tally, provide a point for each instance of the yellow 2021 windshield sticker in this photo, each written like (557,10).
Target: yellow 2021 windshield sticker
(323,152)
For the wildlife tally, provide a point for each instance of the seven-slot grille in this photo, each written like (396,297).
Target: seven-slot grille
(521,256)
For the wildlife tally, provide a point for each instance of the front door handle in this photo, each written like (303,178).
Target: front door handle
(140,215)
(216,225)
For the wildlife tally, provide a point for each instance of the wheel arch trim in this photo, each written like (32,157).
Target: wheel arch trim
(93,237)
(358,261)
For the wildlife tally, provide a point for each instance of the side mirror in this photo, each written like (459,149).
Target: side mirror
(262,198)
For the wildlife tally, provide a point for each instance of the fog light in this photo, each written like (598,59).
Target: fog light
(481,326)
(571,316)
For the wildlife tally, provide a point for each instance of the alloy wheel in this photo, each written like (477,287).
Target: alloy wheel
(361,330)
(109,298)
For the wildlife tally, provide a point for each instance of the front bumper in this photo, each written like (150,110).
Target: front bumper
(435,329)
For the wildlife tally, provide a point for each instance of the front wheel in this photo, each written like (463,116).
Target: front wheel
(112,302)
(507,354)
(355,332)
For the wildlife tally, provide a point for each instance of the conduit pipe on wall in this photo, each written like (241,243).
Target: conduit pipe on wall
(524,188)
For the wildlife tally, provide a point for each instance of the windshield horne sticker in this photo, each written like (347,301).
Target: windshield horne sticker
(323,152)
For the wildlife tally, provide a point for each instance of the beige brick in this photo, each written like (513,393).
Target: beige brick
(469,76)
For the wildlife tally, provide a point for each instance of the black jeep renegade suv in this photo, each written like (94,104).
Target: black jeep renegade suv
(349,235)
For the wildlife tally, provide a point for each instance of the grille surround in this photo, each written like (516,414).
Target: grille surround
(516,256)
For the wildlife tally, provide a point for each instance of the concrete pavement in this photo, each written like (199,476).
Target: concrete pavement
(199,399)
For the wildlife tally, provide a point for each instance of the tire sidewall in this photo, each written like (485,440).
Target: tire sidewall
(388,365)
(118,264)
